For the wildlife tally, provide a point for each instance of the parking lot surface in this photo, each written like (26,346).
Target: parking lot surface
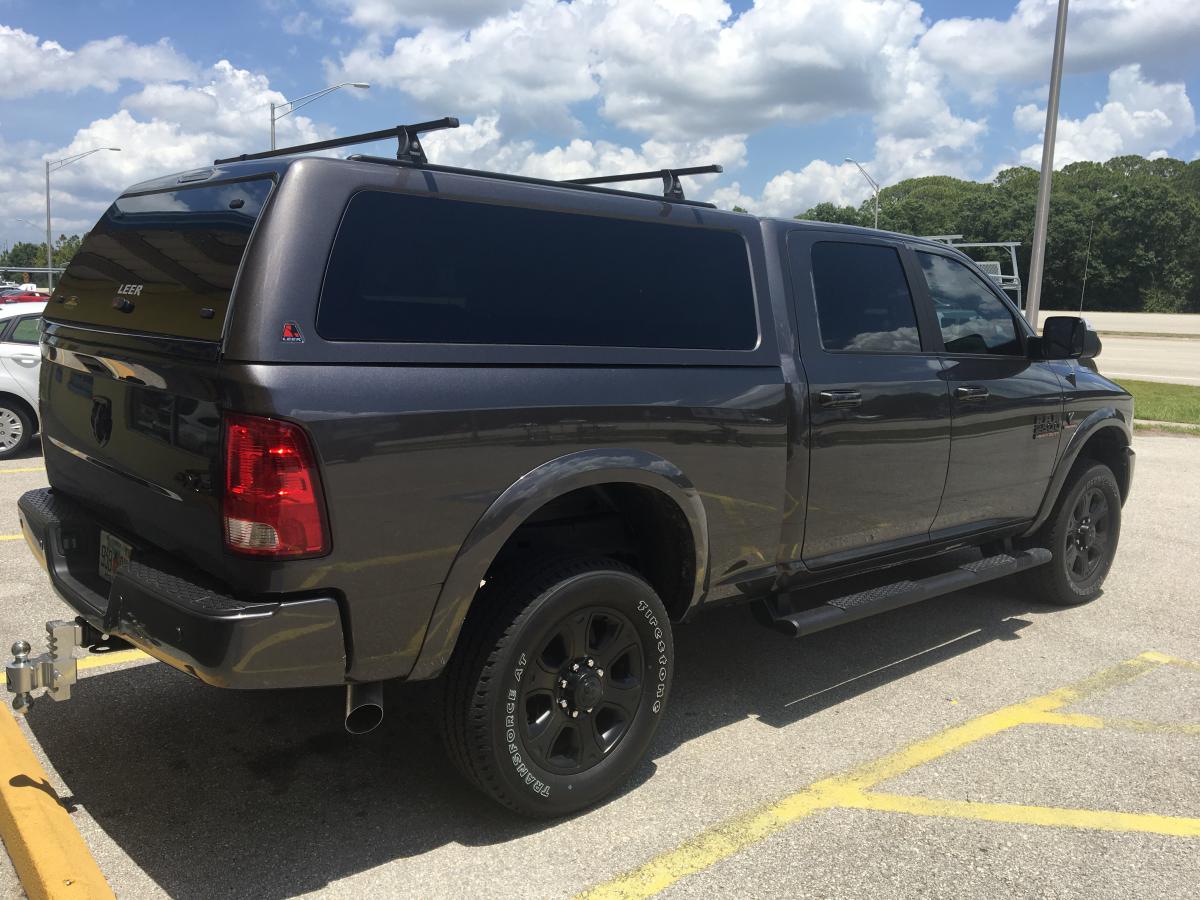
(974,745)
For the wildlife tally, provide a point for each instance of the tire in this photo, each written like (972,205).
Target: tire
(16,428)
(1082,533)
(513,728)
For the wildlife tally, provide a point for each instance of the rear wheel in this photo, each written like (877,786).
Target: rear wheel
(16,429)
(1082,533)
(553,698)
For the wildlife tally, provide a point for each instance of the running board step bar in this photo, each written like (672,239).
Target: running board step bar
(904,593)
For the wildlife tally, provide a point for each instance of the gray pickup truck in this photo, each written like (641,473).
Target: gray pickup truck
(314,421)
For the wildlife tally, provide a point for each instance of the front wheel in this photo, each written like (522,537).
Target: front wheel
(557,687)
(1082,533)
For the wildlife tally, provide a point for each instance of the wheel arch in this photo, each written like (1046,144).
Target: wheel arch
(1103,436)
(534,491)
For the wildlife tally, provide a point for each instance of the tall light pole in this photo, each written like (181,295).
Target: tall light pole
(293,105)
(1037,260)
(874,186)
(53,165)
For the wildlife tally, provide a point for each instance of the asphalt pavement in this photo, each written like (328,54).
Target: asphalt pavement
(755,786)
(1174,360)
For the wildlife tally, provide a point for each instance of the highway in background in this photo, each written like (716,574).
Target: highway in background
(1147,346)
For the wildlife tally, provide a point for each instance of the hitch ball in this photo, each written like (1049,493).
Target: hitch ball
(53,671)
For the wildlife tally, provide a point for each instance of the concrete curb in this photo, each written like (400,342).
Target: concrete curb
(47,851)
(1166,426)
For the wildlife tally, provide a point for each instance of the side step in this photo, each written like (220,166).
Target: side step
(904,593)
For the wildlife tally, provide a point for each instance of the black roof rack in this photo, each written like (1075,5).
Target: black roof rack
(409,147)
(409,152)
(672,189)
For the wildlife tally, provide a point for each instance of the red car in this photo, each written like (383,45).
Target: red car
(21,297)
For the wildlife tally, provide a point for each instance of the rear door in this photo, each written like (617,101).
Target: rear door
(1006,407)
(19,354)
(880,410)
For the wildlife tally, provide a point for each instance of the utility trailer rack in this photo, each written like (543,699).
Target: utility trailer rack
(1006,281)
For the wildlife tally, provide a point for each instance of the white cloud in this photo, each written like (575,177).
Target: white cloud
(31,66)
(669,68)
(683,72)
(1139,116)
(790,193)
(481,144)
(386,16)
(1101,34)
(163,128)
(302,23)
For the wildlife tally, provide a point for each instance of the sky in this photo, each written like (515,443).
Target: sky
(779,92)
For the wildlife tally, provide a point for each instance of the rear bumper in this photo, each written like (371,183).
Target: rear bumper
(178,616)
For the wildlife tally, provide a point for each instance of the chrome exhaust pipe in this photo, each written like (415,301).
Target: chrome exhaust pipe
(364,706)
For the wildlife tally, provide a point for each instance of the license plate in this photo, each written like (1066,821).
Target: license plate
(113,552)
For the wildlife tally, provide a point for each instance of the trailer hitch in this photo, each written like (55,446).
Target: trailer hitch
(53,671)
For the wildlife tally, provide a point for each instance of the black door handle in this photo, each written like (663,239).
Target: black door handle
(839,399)
(971,393)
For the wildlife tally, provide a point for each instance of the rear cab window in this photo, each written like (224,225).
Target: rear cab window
(863,299)
(414,269)
(163,262)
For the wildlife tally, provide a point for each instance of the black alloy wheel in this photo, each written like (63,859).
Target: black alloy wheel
(1087,535)
(558,683)
(583,691)
(1082,533)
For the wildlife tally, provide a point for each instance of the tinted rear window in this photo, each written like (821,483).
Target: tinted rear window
(418,269)
(170,256)
(863,300)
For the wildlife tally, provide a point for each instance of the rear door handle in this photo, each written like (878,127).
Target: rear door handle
(971,393)
(27,361)
(839,399)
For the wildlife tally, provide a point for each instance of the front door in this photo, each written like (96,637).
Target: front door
(879,420)
(1007,408)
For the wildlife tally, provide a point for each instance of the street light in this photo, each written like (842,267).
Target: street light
(294,105)
(874,186)
(53,165)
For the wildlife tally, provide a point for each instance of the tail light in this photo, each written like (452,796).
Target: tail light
(272,500)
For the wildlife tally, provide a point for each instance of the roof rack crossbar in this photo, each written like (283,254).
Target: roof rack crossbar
(672,189)
(409,147)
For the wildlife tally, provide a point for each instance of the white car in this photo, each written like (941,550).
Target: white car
(20,359)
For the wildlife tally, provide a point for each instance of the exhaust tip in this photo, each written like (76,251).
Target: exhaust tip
(364,707)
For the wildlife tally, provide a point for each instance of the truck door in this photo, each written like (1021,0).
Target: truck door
(1007,408)
(879,407)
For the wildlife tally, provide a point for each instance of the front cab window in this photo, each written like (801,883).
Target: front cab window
(971,318)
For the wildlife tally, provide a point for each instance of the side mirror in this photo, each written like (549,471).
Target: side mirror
(1064,337)
(1091,345)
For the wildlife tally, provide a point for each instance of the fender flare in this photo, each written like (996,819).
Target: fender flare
(524,497)
(1099,420)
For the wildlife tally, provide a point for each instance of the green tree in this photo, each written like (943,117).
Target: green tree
(1134,223)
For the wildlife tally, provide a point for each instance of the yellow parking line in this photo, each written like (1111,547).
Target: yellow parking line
(1017,814)
(850,790)
(23,469)
(112,659)
(1081,720)
(11,537)
(48,853)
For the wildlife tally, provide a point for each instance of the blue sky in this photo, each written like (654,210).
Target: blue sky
(779,92)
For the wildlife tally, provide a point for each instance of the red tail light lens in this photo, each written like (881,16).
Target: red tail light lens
(272,501)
